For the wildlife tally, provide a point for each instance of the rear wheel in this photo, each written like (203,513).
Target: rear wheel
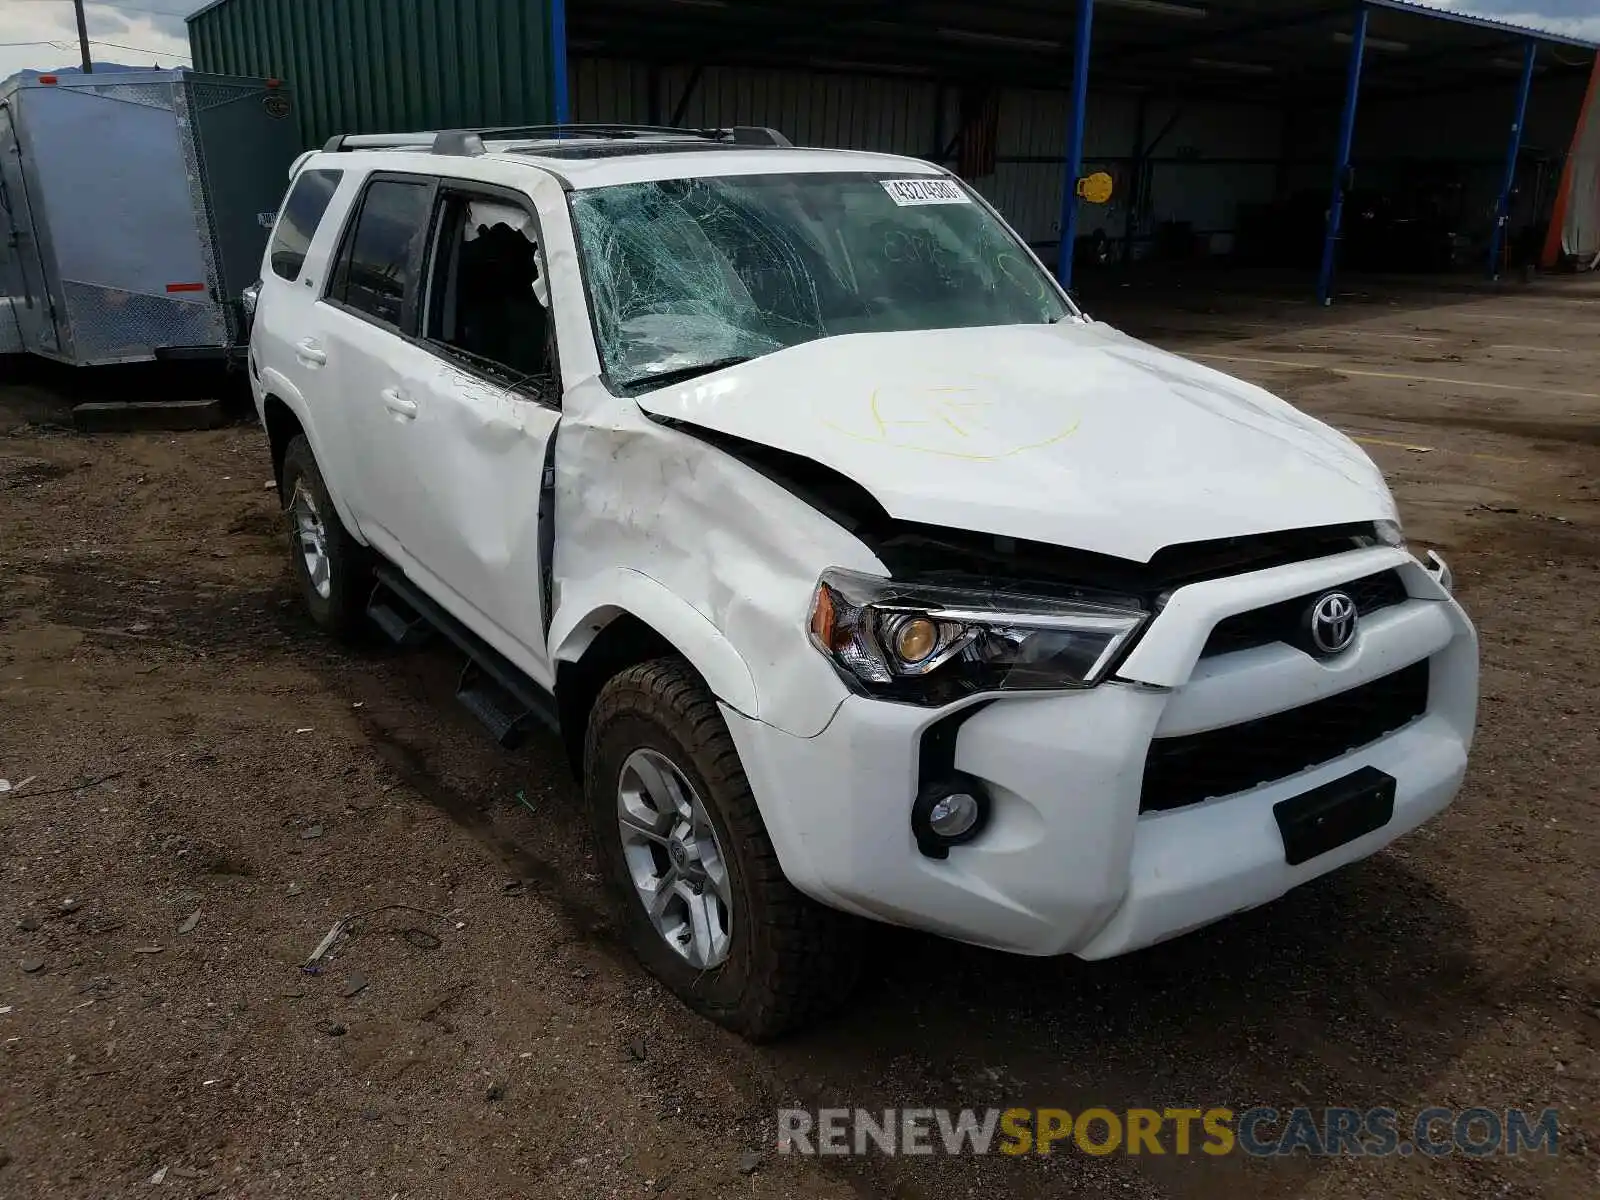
(333,569)
(704,902)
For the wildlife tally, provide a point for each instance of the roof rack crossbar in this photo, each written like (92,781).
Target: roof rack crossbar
(470,141)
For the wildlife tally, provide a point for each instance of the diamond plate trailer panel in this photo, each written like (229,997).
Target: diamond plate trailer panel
(124,240)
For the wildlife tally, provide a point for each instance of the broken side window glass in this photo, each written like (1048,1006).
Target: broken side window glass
(488,298)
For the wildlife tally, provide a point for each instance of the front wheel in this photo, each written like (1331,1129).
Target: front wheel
(681,842)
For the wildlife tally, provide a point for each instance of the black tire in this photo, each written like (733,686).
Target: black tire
(791,961)
(343,611)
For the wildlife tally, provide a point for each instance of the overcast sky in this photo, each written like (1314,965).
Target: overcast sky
(154,28)
(151,31)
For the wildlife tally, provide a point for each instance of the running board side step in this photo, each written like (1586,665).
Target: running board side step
(400,623)
(491,687)
(498,710)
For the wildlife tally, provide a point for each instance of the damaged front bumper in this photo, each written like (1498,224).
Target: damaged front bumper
(1067,862)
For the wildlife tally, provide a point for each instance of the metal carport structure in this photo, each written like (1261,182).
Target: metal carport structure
(1321,60)
(1032,91)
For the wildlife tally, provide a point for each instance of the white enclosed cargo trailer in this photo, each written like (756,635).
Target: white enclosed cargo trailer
(134,206)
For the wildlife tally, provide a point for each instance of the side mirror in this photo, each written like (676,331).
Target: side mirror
(247,303)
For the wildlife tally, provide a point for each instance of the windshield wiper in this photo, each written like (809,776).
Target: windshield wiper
(680,374)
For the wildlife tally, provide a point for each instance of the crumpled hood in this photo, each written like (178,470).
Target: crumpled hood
(1070,434)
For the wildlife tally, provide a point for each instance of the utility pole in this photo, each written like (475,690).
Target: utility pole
(83,37)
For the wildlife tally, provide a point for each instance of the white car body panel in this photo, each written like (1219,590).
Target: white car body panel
(286,318)
(634,494)
(589,605)
(469,442)
(364,361)
(1167,653)
(1068,864)
(1071,435)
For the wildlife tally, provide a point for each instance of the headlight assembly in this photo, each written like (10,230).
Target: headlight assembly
(929,644)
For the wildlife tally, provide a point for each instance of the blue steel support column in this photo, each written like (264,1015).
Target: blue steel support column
(1502,208)
(558,61)
(1341,165)
(1074,168)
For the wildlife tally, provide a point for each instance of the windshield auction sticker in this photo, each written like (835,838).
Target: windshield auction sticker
(924,191)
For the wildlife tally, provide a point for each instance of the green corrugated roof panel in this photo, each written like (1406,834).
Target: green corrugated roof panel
(379,66)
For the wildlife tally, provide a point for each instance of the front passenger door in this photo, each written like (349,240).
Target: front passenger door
(482,374)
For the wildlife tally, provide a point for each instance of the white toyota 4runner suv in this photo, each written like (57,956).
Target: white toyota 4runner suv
(860,572)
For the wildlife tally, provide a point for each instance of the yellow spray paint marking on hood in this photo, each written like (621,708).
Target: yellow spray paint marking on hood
(954,420)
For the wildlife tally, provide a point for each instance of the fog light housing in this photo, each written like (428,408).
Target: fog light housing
(947,813)
(953,815)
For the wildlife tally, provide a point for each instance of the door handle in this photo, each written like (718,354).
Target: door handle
(397,403)
(310,353)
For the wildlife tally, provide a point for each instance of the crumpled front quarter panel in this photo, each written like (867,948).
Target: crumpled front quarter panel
(730,557)
(636,495)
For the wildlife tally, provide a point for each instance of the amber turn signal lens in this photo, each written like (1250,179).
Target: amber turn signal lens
(822,617)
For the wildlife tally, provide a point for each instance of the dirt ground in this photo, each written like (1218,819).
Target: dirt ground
(213,785)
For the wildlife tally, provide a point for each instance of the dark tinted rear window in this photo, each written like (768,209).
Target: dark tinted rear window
(378,259)
(297,224)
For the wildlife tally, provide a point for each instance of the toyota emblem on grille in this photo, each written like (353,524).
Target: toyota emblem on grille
(1333,623)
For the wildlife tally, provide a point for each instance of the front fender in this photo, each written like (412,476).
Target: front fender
(587,607)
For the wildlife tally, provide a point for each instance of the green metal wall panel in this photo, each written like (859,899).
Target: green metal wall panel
(380,66)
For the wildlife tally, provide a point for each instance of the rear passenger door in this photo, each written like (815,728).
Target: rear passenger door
(284,338)
(367,314)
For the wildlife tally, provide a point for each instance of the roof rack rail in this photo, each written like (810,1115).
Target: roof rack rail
(470,141)
(377,141)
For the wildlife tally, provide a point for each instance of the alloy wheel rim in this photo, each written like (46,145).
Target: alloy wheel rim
(311,540)
(674,859)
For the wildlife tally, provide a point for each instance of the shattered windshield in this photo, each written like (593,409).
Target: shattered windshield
(687,275)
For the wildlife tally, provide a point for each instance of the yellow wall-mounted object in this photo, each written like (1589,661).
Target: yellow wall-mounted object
(1096,188)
